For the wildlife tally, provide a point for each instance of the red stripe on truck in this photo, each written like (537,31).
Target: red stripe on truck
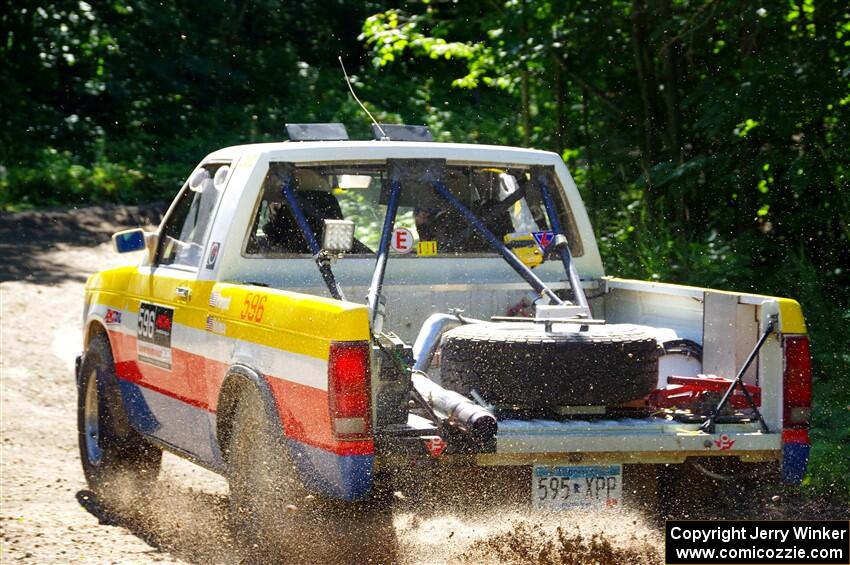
(795,435)
(196,380)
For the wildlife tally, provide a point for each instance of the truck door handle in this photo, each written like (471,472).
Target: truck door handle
(183,293)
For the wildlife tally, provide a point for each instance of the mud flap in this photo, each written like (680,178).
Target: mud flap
(795,455)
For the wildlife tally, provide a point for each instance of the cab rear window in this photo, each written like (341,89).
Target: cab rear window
(502,197)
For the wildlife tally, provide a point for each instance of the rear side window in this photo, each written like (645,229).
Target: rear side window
(185,231)
(502,197)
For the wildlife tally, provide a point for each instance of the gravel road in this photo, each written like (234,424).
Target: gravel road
(47,515)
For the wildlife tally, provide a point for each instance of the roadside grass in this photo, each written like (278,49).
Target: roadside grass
(829,462)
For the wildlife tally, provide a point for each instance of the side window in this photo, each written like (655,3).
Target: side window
(185,232)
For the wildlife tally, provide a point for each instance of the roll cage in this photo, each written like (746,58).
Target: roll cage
(430,172)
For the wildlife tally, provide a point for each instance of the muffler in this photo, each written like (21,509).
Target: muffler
(473,422)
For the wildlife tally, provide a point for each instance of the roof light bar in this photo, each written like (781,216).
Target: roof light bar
(316,132)
(402,132)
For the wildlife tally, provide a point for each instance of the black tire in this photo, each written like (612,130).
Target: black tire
(110,451)
(520,364)
(264,485)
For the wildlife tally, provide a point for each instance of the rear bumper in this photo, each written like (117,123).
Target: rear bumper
(631,442)
(649,440)
(644,441)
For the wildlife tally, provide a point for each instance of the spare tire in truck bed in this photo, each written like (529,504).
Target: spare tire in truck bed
(522,365)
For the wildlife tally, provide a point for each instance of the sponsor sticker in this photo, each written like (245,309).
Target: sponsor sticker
(112,316)
(213,256)
(724,442)
(219,302)
(215,325)
(543,238)
(154,335)
(401,240)
(426,248)
(435,446)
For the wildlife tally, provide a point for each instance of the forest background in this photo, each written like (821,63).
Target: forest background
(709,138)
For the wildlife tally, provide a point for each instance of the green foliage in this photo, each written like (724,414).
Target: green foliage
(55,178)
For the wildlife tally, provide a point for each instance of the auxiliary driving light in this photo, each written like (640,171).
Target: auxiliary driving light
(338,236)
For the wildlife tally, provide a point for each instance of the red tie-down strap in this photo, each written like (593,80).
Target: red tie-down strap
(689,391)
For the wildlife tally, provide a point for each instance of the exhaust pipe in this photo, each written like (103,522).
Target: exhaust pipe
(462,414)
(429,338)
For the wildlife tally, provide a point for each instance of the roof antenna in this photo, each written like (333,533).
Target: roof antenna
(384,136)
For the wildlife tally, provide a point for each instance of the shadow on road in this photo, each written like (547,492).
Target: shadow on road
(187,536)
(194,526)
(28,240)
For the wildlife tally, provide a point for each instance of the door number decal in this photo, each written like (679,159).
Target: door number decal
(253,307)
(153,341)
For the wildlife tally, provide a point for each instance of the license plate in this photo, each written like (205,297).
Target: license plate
(567,487)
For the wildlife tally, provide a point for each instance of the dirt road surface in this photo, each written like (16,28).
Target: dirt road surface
(47,515)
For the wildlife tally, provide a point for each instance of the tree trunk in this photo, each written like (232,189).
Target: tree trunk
(560,111)
(648,87)
(524,86)
(589,187)
(670,94)
(670,76)
(526,107)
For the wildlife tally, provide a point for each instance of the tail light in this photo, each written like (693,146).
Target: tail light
(350,390)
(797,382)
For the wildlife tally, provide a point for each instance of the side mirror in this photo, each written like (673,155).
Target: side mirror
(338,236)
(128,241)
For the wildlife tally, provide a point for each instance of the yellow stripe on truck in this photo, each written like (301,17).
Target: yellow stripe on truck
(791,316)
(300,323)
(290,321)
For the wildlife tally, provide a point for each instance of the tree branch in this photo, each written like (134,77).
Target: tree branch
(595,91)
(680,35)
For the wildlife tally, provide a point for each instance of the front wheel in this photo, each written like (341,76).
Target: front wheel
(108,455)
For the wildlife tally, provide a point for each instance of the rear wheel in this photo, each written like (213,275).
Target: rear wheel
(263,483)
(111,454)
(715,488)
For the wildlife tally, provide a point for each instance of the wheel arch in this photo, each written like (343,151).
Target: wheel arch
(236,380)
(111,390)
(93,328)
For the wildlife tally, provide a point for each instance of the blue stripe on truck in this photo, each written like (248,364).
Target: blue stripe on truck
(341,476)
(795,459)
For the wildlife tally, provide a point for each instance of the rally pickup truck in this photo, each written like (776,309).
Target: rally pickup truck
(319,314)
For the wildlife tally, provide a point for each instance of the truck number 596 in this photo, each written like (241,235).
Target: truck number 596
(253,307)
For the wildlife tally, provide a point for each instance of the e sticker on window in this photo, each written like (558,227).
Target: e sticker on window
(426,248)
(213,255)
(401,240)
